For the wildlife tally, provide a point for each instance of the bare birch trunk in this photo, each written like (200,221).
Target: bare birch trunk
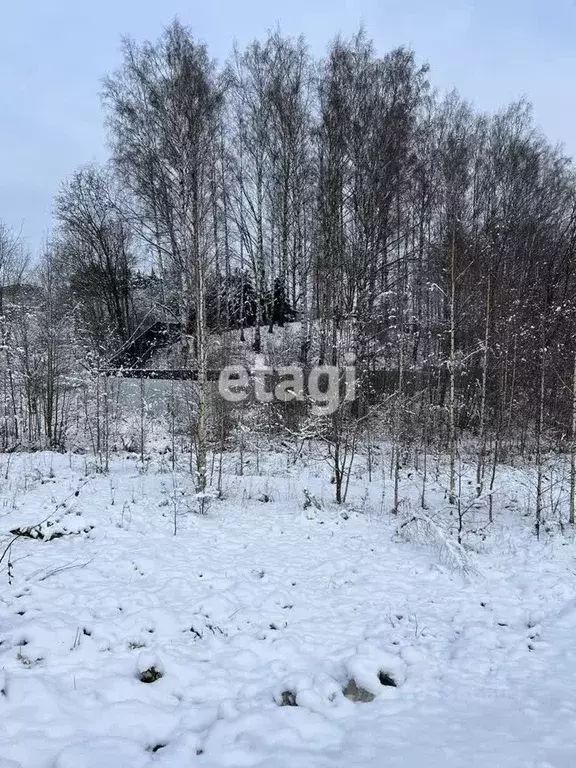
(573,451)
(482,430)
(452,403)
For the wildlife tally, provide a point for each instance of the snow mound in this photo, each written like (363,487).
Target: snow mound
(149,667)
(370,671)
(319,693)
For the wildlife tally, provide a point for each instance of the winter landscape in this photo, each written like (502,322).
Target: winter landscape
(261,604)
(288,424)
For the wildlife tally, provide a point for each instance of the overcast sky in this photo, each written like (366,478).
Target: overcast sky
(54,53)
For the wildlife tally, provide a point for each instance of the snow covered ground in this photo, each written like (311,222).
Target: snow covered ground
(261,602)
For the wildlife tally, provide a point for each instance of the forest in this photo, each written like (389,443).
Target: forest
(339,208)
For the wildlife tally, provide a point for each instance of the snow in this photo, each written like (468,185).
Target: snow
(365,666)
(255,599)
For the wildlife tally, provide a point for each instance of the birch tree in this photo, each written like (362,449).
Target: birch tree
(163,113)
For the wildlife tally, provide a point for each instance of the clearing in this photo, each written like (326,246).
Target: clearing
(262,602)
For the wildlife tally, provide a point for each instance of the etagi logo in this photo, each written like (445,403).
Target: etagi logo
(324,386)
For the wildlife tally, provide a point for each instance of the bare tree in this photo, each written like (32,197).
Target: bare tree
(96,252)
(163,111)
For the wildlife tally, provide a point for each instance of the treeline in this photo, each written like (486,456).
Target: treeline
(345,193)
